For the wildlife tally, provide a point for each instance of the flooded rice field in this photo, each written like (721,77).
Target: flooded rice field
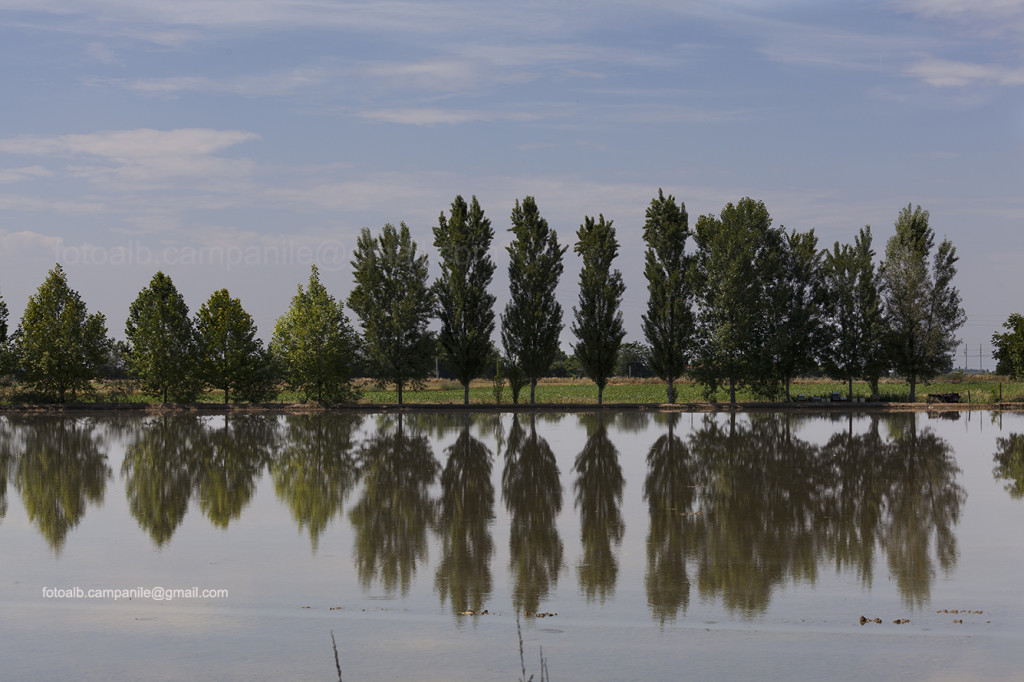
(438,546)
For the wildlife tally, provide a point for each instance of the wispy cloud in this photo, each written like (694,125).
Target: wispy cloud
(427,116)
(140,158)
(951,73)
(23,173)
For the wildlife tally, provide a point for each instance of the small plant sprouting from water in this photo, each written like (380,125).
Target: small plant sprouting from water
(544,676)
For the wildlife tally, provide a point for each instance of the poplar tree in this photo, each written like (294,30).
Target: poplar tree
(231,358)
(315,345)
(61,345)
(464,306)
(532,319)
(737,253)
(394,303)
(922,306)
(598,320)
(163,350)
(5,353)
(797,332)
(668,324)
(853,327)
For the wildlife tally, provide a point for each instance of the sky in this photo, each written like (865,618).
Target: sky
(234,143)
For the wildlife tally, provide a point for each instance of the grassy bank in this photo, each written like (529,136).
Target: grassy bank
(977,390)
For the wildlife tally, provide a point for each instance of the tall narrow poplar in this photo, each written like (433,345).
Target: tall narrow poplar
(668,323)
(465,307)
(163,350)
(394,304)
(532,319)
(598,321)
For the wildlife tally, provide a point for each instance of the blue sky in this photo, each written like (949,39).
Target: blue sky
(233,143)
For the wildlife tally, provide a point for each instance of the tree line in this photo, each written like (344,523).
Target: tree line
(749,305)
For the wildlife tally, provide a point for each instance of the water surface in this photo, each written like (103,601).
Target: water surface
(634,546)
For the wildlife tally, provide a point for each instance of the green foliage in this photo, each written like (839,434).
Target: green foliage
(231,358)
(532,319)
(1009,347)
(669,323)
(598,321)
(315,345)
(465,308)
(854,328)
(394,305)
(163,351)
(517,379)
(634,360)
(739,255)
(922,306)
(6,354)
(60,345)
(796,333)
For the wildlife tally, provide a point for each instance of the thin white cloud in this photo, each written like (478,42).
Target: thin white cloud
(426,116)
(143,158)
(276,84)
(950,73)
(23,173)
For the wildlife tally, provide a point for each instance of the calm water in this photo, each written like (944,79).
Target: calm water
(665,546)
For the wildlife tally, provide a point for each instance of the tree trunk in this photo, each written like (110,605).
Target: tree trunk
(671,392)
(913,387)
(399,387)
(600,394)
(465,393)
(533,390)
(732,390)
(850,392)
(787,390)
(226,395)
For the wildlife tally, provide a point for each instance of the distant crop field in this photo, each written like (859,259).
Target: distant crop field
(981,389)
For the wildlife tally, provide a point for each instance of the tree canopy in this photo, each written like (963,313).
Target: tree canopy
(1009,347)
(853,326)
(922,306)
(598,322)
(532,319)
(231,358)
(668,323)
(162,342)
(315,345)
(61,345)
(464,306)
(394,303)
(737,253)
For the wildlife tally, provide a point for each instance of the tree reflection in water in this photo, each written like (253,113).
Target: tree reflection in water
(466,512)
(532,492)
(60,470)
(171,458)
(316,468)
(228,461)
(598,490)
(6,461)
(670,491)
(754,507)
(1009,459)
(395,511)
